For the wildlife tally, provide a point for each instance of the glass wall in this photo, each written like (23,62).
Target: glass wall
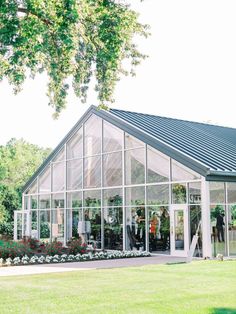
(223,218)
(113,190)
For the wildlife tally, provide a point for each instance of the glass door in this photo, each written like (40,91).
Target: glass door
(179,230)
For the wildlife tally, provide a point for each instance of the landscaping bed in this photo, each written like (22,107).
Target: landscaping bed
(30,251)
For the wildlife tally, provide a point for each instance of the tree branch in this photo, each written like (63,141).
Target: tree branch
(26,11)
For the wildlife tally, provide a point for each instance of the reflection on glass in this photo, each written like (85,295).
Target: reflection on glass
(217,192)
(231,192)
(92,172)
(44,201)
(112,197)
(181,173)
(33,202)
(178,193)
(158,166)
(195,220)
(134,166)
(34,225)
(135,228)
(179,229)
(58,180)
(159,229)
(218,229)
(194,189)
(112,169)
(135,196)
(75,145)
(45,181)
(58,224)
(58,200)
(113,230)
(132,142)
(158,194)
(33,188)
(74,174)
(112,137)
(92,136)
(74,199)
(92,198)
(44,223)
(232,229)
(19,226)
(89,226)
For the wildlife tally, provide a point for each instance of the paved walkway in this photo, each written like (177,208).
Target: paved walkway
(65,267)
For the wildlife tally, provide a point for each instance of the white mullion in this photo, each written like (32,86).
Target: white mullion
(145,202)
(65,195)
(51,191)
(123,193)
(226,235)
(101,193)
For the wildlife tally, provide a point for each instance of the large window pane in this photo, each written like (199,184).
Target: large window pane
(74,174)
(159,229)
(33,202)
(45,181)
(195,219)
(113,228)
(232,229)
(34,225)
(194,189)
(135,228)
(158,166)
(112,197)
(89,226)
(58,200)
(75,145)
(92,172)
(58,180)
(135,166)
(112,137)
(74,199)
(218,229)
(92,136)
(58,224)
(182,173)
(132,142)
(44,223)
(135,196)
(112,168)
(217,192)
(158,194)
(44,201)
(92,198)
(231,192)
(178,193)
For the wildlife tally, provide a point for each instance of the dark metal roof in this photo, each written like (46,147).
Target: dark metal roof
(211,145)
(207,149)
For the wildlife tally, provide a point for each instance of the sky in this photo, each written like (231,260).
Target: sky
(190,74)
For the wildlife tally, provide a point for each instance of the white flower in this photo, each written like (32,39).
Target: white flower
(8,261)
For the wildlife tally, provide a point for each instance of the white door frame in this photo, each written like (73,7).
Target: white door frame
(183,248)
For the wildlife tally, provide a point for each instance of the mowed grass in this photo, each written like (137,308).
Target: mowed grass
(199,287)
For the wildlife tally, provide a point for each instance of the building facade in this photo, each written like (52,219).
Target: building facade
(129,181)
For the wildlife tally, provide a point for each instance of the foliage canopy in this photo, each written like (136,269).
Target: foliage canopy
(68,39)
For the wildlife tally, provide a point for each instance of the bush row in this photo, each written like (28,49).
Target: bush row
(30,247)
(26,260)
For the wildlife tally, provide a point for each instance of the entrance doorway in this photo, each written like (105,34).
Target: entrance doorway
(179,233)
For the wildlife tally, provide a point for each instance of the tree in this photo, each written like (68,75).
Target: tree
(68,39)
(18,161)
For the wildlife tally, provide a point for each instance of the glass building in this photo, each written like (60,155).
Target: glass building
(129,181)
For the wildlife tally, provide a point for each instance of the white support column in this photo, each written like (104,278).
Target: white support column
(15,225)
(206,222)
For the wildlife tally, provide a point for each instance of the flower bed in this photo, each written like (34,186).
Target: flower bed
(64,258)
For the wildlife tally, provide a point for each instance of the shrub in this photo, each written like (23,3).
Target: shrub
(14,249)
(75,246)
(6,228)
(53,248)
(34,244)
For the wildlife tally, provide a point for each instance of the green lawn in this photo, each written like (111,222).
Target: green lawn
(199,287)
